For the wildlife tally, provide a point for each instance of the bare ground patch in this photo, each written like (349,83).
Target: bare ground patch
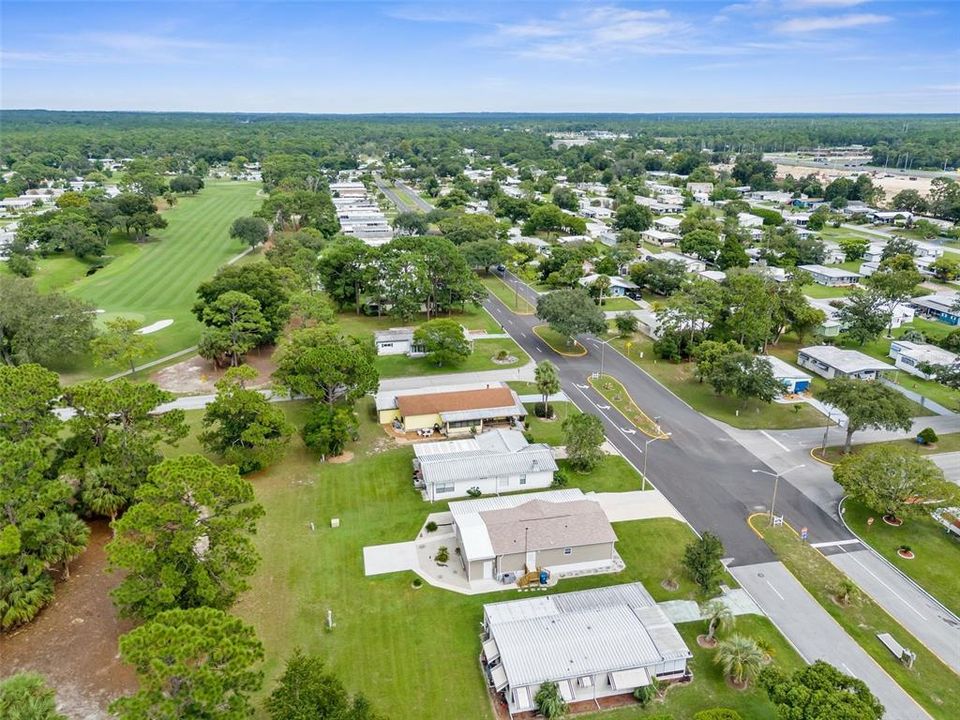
(73,642)
(196,376)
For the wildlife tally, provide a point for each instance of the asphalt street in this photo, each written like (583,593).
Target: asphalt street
(418,201)
(701,469)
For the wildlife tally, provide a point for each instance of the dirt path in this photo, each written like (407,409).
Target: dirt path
(196,376)
(74,641)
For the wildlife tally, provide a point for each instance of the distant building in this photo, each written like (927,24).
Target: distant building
(793,380)
(619,287)
(397,341)
(915,358)
(942,307)
(661,238)
(831,276)
(667,224)
(451,411)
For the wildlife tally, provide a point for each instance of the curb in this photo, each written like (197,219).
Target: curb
(559,352)
(900,572)
(820,460)
(661,436)
(512,310)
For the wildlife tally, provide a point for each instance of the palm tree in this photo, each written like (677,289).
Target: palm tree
(549,702)
(548,382)
(718,617)
(740,658)
(67,540)
(100,497)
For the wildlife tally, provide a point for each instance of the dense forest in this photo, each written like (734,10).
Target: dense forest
(33,140)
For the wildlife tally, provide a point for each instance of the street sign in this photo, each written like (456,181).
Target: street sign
(803,533)
(777,520)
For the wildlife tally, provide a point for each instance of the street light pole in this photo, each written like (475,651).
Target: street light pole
(776,484)
(646,452)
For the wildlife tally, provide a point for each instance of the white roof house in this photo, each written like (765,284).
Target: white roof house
(667,224)
(916,358)
(831,276)
(833,362)
(592,643)
(715,275)
(660,237)
(749,220)
(496,461)
(692,264)
(618,285)
(793,379)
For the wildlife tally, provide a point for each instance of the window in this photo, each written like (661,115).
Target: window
(523,479)
(568,551)
(444,488)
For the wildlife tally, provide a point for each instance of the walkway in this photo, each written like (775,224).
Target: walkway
(949,463)
(736,600)
(924,402)
(395,557)
(817,636)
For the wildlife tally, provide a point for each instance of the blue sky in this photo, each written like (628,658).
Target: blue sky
(750,56)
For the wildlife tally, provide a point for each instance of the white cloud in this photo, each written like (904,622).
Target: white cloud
(828,3)
(833,22)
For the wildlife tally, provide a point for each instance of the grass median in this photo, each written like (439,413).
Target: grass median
(508,296)
(949,442)
(936,565)
(614,392)
(930,682)
(560,344)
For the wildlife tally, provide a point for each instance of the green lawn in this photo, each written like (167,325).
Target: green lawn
(948,442)
(414,652)
(823,291)
(559,343)
(679,378)
(550,431)
(508,295)
(931,683)
(480,359)
(936,566)
(618,304)
(157,280)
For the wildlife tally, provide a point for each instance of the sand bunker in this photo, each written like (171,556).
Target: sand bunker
(154,327)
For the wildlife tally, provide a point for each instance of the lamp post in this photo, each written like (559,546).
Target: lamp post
(776,483)
(603,348)
(646,451)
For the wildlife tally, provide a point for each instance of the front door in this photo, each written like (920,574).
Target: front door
(488,569)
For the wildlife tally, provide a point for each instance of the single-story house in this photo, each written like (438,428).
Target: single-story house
(868,268)
(808,203)
(833,362)
(562,531)
(715,275)
(700,187)
(874,253)
(493,462)
(793,380)
(399,341)
(749,220)
(692,264)
(799,220)
(892,216)
(592,643)
(831,276)
(619,287)
(913,357)
(661,238)
(451,411)
(667,224)
(941,307)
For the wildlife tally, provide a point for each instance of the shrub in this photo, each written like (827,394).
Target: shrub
(502,355)
(645,693)
(718,714)
(474,492)
(431,526)
(21,265)
(916,336)
(543,412)
(844,591)
(417,582)
(560,479)
(442,554)
(927,436)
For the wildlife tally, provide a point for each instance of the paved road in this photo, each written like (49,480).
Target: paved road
(392,195)
(702,470)
(417,200)
(928,621)
(816,635)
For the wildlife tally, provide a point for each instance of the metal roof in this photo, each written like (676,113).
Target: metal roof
(846,361)
(830,272)
(476,465)
(783,369)
(549,638)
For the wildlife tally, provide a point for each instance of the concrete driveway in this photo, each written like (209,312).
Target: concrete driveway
(395,557)
(636,505)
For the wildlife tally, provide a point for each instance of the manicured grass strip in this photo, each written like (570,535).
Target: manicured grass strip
(949,442)
(508,296)
(823,291)
(679,378)
(614,391)
(550,431)
(558,343)
(472,317)
(618,303)
(936,566)
(931,683)
(482,358)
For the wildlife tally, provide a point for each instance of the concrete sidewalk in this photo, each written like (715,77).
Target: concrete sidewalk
(925,618)
(924,402)
(817,636)
(524,373)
